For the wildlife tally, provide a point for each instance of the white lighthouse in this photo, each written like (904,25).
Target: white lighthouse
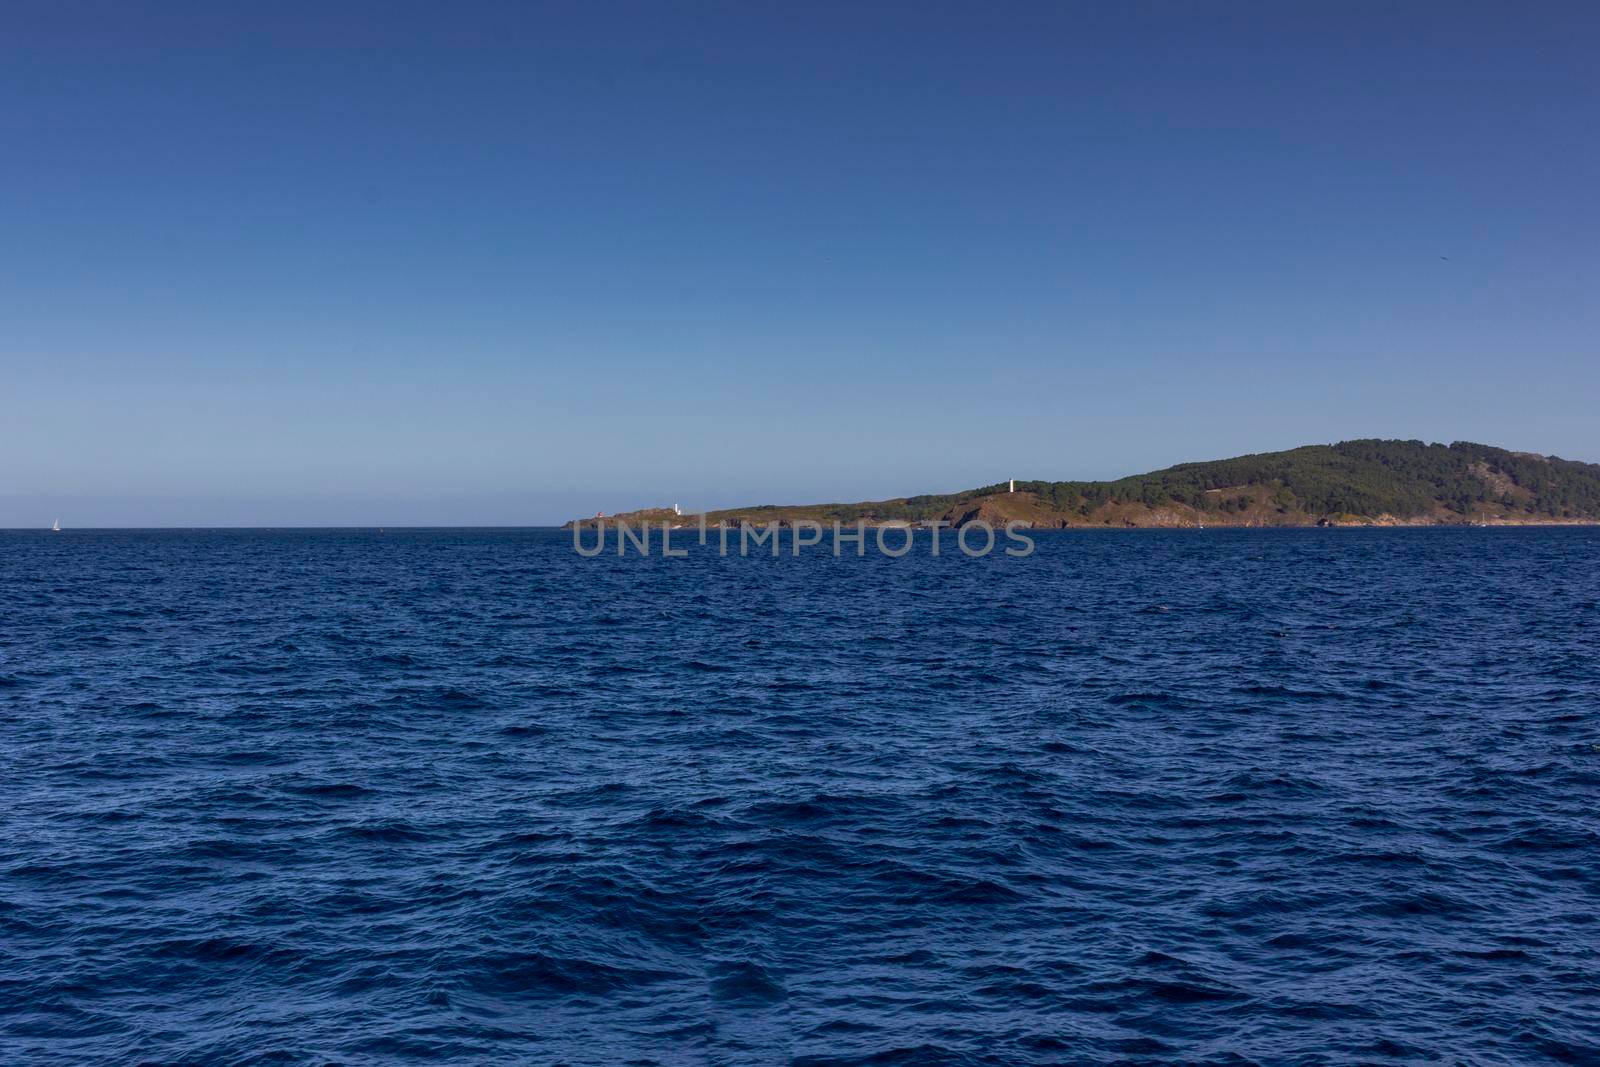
(676,510)
(1013,485)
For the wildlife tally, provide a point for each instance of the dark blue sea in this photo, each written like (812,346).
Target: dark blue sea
(1248,796)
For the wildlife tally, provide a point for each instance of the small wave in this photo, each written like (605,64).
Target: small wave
(387,831)
(329,790)
(744,982)
(541,974)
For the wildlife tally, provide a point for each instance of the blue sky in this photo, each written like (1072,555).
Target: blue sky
(506,263)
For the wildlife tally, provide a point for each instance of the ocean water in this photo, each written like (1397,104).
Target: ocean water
(281,797)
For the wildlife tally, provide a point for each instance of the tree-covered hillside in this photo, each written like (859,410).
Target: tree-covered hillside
(1405,479)
(1370,477)
(1353,481)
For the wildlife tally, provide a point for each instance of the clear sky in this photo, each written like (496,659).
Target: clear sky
(388,263)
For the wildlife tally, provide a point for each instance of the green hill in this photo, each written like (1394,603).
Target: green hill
(1353,482)
(1406,479)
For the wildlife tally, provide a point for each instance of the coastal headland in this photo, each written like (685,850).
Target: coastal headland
(1352,483)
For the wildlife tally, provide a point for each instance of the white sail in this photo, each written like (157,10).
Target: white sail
(57,527)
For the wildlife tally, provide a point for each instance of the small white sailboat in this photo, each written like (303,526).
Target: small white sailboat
(56,528)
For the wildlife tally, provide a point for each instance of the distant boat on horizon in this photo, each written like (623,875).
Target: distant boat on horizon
(56,527)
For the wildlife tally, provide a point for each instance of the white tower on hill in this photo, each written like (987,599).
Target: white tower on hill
(1013,485)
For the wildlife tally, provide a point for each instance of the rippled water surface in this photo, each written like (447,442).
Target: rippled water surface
(1221,796)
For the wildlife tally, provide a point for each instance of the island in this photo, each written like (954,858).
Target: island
(1351,483)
